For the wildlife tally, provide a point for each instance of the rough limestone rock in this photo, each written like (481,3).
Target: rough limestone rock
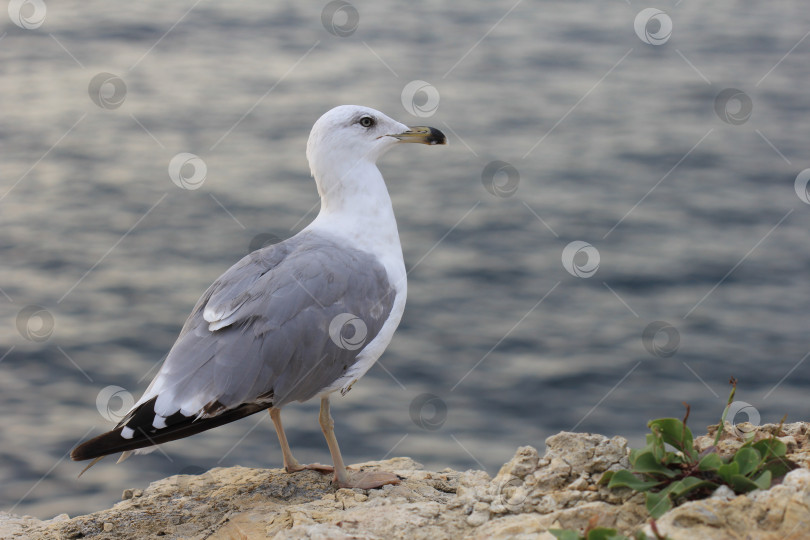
(529,495)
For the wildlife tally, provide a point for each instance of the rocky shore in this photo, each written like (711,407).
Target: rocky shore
(530,494)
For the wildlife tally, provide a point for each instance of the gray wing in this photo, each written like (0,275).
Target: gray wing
(261,332)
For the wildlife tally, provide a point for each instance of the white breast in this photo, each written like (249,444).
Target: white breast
(376,233)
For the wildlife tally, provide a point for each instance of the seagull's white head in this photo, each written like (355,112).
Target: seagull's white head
(349,138)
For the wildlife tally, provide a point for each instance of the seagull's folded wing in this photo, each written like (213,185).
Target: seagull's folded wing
(260,337)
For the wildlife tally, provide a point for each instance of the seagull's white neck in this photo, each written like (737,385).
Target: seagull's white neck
(356,188)
(355,205)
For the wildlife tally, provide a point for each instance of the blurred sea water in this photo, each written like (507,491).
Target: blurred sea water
(685,196)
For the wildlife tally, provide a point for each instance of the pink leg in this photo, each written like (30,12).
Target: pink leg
(290,463)
(343,478)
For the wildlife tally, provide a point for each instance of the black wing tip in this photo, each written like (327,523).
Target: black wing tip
(103,445)
(144,435)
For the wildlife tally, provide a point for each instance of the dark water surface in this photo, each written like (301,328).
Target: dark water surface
(688,198)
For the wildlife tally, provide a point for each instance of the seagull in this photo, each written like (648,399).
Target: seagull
(295,320)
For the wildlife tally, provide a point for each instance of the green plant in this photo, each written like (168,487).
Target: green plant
(599,533)
(671,470)
(592,532)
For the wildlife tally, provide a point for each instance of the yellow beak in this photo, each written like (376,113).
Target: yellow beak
(422,134)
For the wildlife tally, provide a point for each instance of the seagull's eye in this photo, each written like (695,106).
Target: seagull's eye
(367,121)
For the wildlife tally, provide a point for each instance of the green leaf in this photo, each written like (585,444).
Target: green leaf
(727,470)
(676,434)
(710,462)
(629,480)
(674,459)
(599,533)
(763,481)
(655,444)
(603,533)
(634,453)
(741,484)
(690,483)
(779,466)
(566,534)
(659,452)
(770,448)
(658,503)
(647,463)
(605,478)
(747,459)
